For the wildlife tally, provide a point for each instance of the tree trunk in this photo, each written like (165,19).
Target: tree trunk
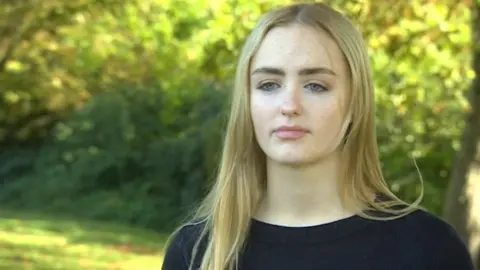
(462,208)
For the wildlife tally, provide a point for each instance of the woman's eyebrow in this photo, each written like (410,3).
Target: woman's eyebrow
(305,71)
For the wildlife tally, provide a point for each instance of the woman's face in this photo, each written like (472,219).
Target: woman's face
(299,86)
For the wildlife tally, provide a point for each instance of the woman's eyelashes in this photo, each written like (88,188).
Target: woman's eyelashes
(270,86)
(316,87)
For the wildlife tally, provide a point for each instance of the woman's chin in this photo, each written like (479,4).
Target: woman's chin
(295,160)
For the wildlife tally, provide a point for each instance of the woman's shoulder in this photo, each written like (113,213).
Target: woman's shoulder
(438,239)
(430,227)
(422,219)
(178,252)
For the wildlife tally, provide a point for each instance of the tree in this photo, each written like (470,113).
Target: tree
(39,79)
(462,208)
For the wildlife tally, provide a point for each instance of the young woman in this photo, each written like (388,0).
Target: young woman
(300,185)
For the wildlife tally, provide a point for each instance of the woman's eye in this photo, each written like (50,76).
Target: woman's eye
(315,87)
(268,86)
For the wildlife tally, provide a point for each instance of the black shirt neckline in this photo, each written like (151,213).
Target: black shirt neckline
(268,232)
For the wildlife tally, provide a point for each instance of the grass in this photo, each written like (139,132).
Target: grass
(36,241)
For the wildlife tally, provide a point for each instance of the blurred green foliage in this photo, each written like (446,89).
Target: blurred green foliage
(114,109)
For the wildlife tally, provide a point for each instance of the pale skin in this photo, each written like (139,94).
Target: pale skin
(299,78)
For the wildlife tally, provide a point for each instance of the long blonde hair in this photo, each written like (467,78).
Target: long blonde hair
(227,210)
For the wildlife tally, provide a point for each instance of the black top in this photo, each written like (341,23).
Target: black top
(418,241)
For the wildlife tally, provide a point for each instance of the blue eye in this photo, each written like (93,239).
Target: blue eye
(268,86)
(315,87)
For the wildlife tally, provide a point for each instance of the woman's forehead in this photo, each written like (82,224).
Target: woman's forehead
(296,47)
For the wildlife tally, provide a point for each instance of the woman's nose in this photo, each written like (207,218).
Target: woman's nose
(292,102)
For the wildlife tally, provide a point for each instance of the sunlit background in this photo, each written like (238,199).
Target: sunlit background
(112,114)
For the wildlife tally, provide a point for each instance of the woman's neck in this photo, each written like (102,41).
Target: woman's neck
(302,196)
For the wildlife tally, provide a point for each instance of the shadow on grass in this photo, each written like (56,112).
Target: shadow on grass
(37,241)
